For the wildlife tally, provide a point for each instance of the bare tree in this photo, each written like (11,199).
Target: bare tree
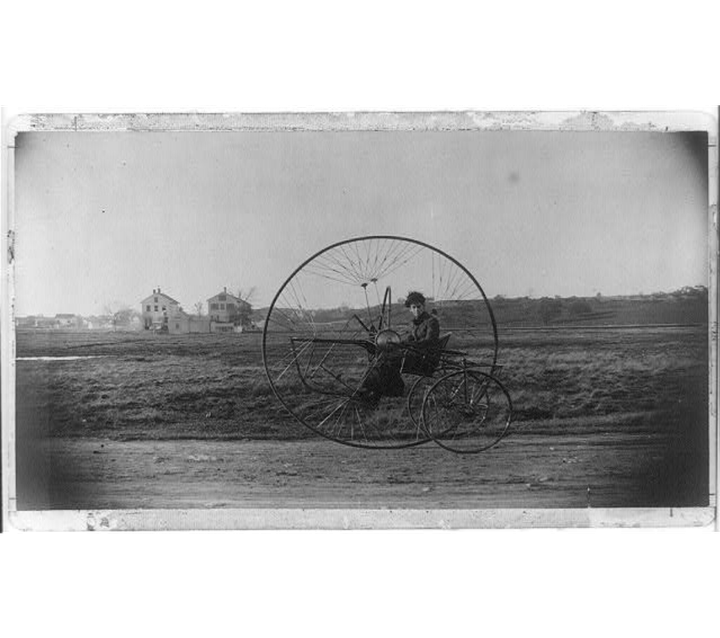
(198,308)
(245,310)
(247,294)
(121,315)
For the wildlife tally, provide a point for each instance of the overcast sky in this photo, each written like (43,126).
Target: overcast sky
(103,218)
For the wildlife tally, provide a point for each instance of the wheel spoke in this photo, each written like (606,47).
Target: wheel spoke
(319,355)
(458,420)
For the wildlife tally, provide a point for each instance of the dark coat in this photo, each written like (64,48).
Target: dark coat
(384,378)
(425,330)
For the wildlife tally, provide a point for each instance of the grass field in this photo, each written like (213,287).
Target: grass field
(632,402)
(138,385)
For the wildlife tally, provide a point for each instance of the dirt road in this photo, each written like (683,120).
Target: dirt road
(524,471)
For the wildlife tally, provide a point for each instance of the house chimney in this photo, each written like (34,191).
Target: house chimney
(224,288)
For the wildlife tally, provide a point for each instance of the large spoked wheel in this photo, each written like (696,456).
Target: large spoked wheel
(467,411)
(326,334)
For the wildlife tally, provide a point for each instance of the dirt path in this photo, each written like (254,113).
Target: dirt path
(524,471)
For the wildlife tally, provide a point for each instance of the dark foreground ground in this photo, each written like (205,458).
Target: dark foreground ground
(525,471)
(604,419)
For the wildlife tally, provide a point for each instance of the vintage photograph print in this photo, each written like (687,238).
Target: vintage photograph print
(320,321)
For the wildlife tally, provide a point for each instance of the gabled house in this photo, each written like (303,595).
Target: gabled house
(227,312)
(161,312)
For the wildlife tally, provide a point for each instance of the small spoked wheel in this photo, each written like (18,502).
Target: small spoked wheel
(466,411)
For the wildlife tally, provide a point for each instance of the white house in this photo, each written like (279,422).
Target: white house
(227,312)
(161,312)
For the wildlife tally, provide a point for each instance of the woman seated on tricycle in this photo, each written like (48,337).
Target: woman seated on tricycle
(416,352)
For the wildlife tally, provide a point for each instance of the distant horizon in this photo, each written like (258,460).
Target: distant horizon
(495,298)
(101,217)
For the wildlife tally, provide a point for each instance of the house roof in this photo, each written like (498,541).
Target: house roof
(160,294)
(229,296)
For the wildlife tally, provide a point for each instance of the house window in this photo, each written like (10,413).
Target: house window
(221,297)
(222,306)
(177,326)
(213,306)
(156,300)
(164,308)
(147,308)
(156,309)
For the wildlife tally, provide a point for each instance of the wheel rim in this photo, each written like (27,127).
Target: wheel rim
(467,411)
(318,341)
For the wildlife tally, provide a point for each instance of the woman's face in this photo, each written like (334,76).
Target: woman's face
(417,309)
